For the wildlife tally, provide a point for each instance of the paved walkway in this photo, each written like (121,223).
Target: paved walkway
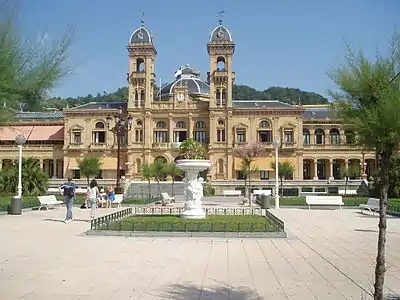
(329,255)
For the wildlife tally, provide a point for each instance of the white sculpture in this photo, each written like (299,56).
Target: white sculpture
(193,192)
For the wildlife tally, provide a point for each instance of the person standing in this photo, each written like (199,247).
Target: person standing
(68,190)
(93,193)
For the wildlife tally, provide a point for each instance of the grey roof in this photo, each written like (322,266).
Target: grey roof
(275,104)
(141,36)
(317,113)
(220,34)
(39,115)
(186,76)
(101,105)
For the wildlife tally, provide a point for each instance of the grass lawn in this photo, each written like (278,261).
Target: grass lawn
(32,201)
(209,224)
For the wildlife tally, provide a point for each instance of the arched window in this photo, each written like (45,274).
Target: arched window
(139,131)
(319,136)
(140,65)
(220,131)
(221,63)
(180,124)
(350,137)
(334,136)
(306,137)
(160,132)
(161,124)
(99,133)
(139,123)
(200,134)
(264,132)
(221,167)
(200,124)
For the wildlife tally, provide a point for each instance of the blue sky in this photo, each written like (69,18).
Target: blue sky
(288,43)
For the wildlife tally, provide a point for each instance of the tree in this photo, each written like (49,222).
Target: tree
(285,169)
(147,174)
(90,166)
(394,189)
(248,154)
(172,170)
(347,173)
(29,69)
(248,171)
(191,149)
(368,101)
(158,172)
(34,180)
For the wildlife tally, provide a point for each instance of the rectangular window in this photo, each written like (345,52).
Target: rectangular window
(264,175)
(76,138)
(99,137)
(265,136)
(288,136)
(139,135)
(180,136)
(240,175)
(335,139)
(160,136)
(241,136)
(221,135)
(200,136)
(76,174)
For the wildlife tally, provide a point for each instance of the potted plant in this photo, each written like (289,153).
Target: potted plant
(193,161)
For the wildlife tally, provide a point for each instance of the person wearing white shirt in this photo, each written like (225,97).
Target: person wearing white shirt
(93,193)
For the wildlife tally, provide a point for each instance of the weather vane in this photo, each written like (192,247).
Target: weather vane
(220,15)
(142,20)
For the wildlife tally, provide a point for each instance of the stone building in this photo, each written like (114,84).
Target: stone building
(316,144)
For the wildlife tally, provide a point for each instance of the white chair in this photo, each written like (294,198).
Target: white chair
(167,198)
(48,201)
(118,200)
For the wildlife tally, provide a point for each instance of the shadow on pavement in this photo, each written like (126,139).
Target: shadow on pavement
(62,221)
(195,292)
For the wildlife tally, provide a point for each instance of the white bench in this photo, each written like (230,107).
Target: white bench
(262,192)
(372,205)
(324,200)
(118,200)
(231,193)
(48,201)
(167,198)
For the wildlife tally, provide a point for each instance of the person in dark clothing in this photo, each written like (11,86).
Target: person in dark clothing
(68,190)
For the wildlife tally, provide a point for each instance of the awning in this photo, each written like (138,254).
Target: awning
(265,163)
(33,133)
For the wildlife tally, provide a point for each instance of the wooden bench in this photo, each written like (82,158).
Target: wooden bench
(324,200)
(372,205)
(231,193)
(48,201)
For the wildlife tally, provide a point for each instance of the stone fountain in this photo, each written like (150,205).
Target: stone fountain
(193,192)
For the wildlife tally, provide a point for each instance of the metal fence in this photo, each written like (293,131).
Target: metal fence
(110,218)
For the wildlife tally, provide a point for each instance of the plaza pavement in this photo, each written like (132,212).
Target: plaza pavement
(329,254)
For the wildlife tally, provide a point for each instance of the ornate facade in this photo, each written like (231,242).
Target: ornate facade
(316,144)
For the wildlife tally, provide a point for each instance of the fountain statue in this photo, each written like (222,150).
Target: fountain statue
(193,208)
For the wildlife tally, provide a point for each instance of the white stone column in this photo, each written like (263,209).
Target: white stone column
(315,169)
(331,169)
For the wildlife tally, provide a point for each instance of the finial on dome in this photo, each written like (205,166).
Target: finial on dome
(142,20)
(220,15)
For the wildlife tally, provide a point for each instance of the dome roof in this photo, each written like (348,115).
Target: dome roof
(141,36)
(220,34)
(188,77)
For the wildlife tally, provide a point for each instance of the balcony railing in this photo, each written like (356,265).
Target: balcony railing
(330,146)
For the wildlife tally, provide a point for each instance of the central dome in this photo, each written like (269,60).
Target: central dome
(186,76)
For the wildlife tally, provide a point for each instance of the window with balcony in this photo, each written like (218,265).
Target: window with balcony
(160,132)
(319,137)
(265,132)
(288,136)
(264,175)
(334,136)
(180,132)
(99,134)
(306,137)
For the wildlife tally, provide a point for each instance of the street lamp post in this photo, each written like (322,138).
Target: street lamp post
(20,140)
(276,144)
(123,124)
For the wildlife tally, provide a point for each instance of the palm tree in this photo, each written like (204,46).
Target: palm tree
(147,173)
(158,172)
(172,170)
(351,171)
(285,169)
(34,180)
